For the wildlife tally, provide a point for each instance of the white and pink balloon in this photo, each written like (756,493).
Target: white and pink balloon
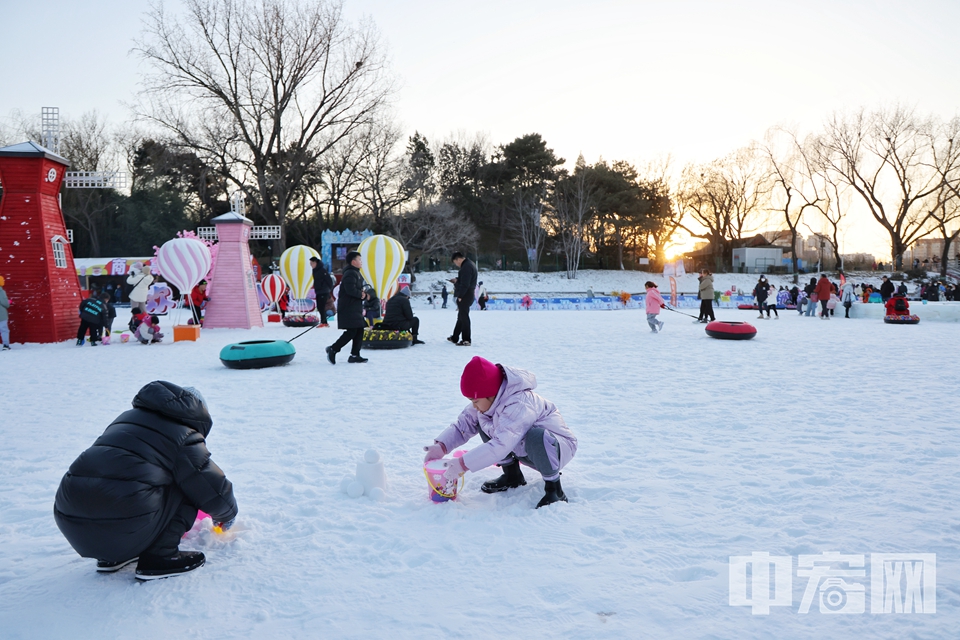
(183,262)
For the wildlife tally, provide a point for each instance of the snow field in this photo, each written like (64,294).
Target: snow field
(815,436)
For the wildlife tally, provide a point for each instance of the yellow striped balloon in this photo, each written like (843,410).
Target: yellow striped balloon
(383,261)
(296,270)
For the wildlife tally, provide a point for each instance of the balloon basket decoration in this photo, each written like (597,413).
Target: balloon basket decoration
(274,317)
(301,320)
(183,332)
(257,354)
(386,339)
(439,492)
(901,319)
(722,330)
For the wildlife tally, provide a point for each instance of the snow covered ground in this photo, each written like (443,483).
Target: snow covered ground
(816,436)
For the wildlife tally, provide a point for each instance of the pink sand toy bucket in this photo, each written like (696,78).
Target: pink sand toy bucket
(434,471)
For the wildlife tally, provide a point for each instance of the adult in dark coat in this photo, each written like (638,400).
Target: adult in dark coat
(464,290)
(886,289)
(760,292)
(350,311)
(93,316)
(399,316)
(322,287)
(136,491)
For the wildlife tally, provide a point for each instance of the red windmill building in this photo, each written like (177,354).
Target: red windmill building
(35,254)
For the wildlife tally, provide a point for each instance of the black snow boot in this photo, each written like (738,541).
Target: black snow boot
(552,492)
(511,479)
(106,566)
(154,567)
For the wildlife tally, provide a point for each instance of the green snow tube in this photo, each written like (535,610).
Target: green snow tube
(257,354)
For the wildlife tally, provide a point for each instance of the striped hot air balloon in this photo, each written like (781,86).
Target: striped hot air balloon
(273,287)
(295,269)
(383,261)
(183,262)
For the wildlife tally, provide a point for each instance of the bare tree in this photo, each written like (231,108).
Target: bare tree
(888,158)
(261,88)
(725,198)
(665,218)
(381,189)
(89,145)
(946,208)
(797,185)
(434,228)
(573,202)
(526,224)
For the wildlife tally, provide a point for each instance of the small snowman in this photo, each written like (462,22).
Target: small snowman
(370,479)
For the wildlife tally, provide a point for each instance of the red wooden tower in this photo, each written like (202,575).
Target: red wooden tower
(35,255)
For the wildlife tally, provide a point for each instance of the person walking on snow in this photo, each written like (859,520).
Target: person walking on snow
(760,293)
(464,289)
(350,312)
(653,302)
(517,427)
(140,279)
(705,293)
(822,292)
(132,495)
(4,316)
(772,302)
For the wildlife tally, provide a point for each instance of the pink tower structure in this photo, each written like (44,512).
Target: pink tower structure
(233,285)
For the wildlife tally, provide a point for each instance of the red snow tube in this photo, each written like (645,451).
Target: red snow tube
(723,330)
(747,306)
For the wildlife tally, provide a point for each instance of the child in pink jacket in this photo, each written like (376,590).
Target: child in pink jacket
(516,426)
(654,303)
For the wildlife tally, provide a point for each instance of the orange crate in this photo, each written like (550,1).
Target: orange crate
(186,332)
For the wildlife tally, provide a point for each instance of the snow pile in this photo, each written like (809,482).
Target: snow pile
(816,436)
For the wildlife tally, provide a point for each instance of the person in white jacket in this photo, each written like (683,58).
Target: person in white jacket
(517,426)
(140,279)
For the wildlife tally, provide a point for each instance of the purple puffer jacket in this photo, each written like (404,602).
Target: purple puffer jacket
(515,411)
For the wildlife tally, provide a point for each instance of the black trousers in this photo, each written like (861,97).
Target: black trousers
(462,328)
(356,335)
(412,325)
(706,310)
(94,328)
(168,542)
(322,307)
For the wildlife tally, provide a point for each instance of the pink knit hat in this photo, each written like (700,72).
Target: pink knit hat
(481,379)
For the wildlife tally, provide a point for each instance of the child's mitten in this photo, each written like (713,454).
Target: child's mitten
(434,452)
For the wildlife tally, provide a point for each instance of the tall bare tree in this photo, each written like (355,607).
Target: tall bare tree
(726,198)
(797,185)
(574,199)
(381,188)
(261,88)
(888,158)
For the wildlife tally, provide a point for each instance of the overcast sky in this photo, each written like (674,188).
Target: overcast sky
(622,80)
